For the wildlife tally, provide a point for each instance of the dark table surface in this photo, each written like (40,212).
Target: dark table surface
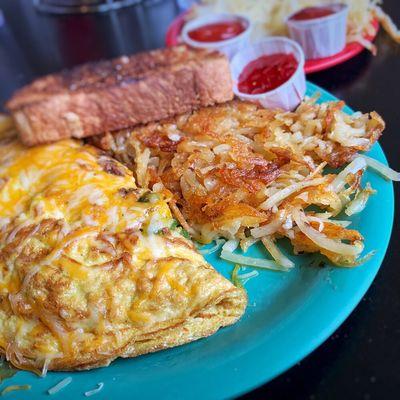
(361,360)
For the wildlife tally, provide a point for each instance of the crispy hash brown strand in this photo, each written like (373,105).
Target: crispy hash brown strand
(90,267)
(235,169)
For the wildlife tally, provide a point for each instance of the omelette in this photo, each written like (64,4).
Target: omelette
(93,268)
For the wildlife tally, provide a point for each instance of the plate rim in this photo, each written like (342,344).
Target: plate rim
(234,388)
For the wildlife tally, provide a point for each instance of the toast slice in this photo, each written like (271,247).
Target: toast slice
(111,95)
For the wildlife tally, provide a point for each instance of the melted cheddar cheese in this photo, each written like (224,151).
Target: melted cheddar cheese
(88,265)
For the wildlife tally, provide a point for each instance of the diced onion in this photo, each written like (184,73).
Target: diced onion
(45,367)
(175,137)
(323,215)
(248,275)
(244,278)
(60,385)
(216,247)
(210,183)
(322,221)
(360,201)
(277,255)
(383,169)
(322,240)
(267,229)
(340,181)
(230,245)
(277,198)
(251,261)
(342,223)
(158,187)
(245,244)
(95,391)
(222,148)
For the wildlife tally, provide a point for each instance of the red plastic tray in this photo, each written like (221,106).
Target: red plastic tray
(172,38)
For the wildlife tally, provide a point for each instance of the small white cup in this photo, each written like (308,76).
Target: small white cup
(229,46)
(287,96)
(323,36)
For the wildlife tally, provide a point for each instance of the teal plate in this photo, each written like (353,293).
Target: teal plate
(288,316)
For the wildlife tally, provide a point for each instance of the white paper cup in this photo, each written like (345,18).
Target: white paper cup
(321,37)
(229,46)
(287,96)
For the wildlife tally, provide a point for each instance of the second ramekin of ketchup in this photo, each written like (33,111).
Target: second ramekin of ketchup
(270,73)
(321,31)
(227,33)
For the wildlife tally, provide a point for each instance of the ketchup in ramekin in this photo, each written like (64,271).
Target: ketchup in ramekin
(270,73)
(320,31)
(267,73)
(217,31)
(227,33)
(312,13)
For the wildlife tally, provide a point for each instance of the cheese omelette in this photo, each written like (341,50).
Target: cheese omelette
(91,267)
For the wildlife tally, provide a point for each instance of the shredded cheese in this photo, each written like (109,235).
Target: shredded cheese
(60,385)
(13,388)
(95,391)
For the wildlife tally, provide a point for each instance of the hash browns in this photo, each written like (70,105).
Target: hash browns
(227,165)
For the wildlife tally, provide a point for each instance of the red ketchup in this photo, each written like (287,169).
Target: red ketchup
(217,31)
(267,73)
(312,13)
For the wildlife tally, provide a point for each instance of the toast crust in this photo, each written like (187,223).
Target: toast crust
(120,93)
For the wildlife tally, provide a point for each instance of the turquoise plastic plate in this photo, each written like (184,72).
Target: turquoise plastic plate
(288,316)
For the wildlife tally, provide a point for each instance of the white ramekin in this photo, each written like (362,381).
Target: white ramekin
(321,37)
(287,96)
(229,46)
